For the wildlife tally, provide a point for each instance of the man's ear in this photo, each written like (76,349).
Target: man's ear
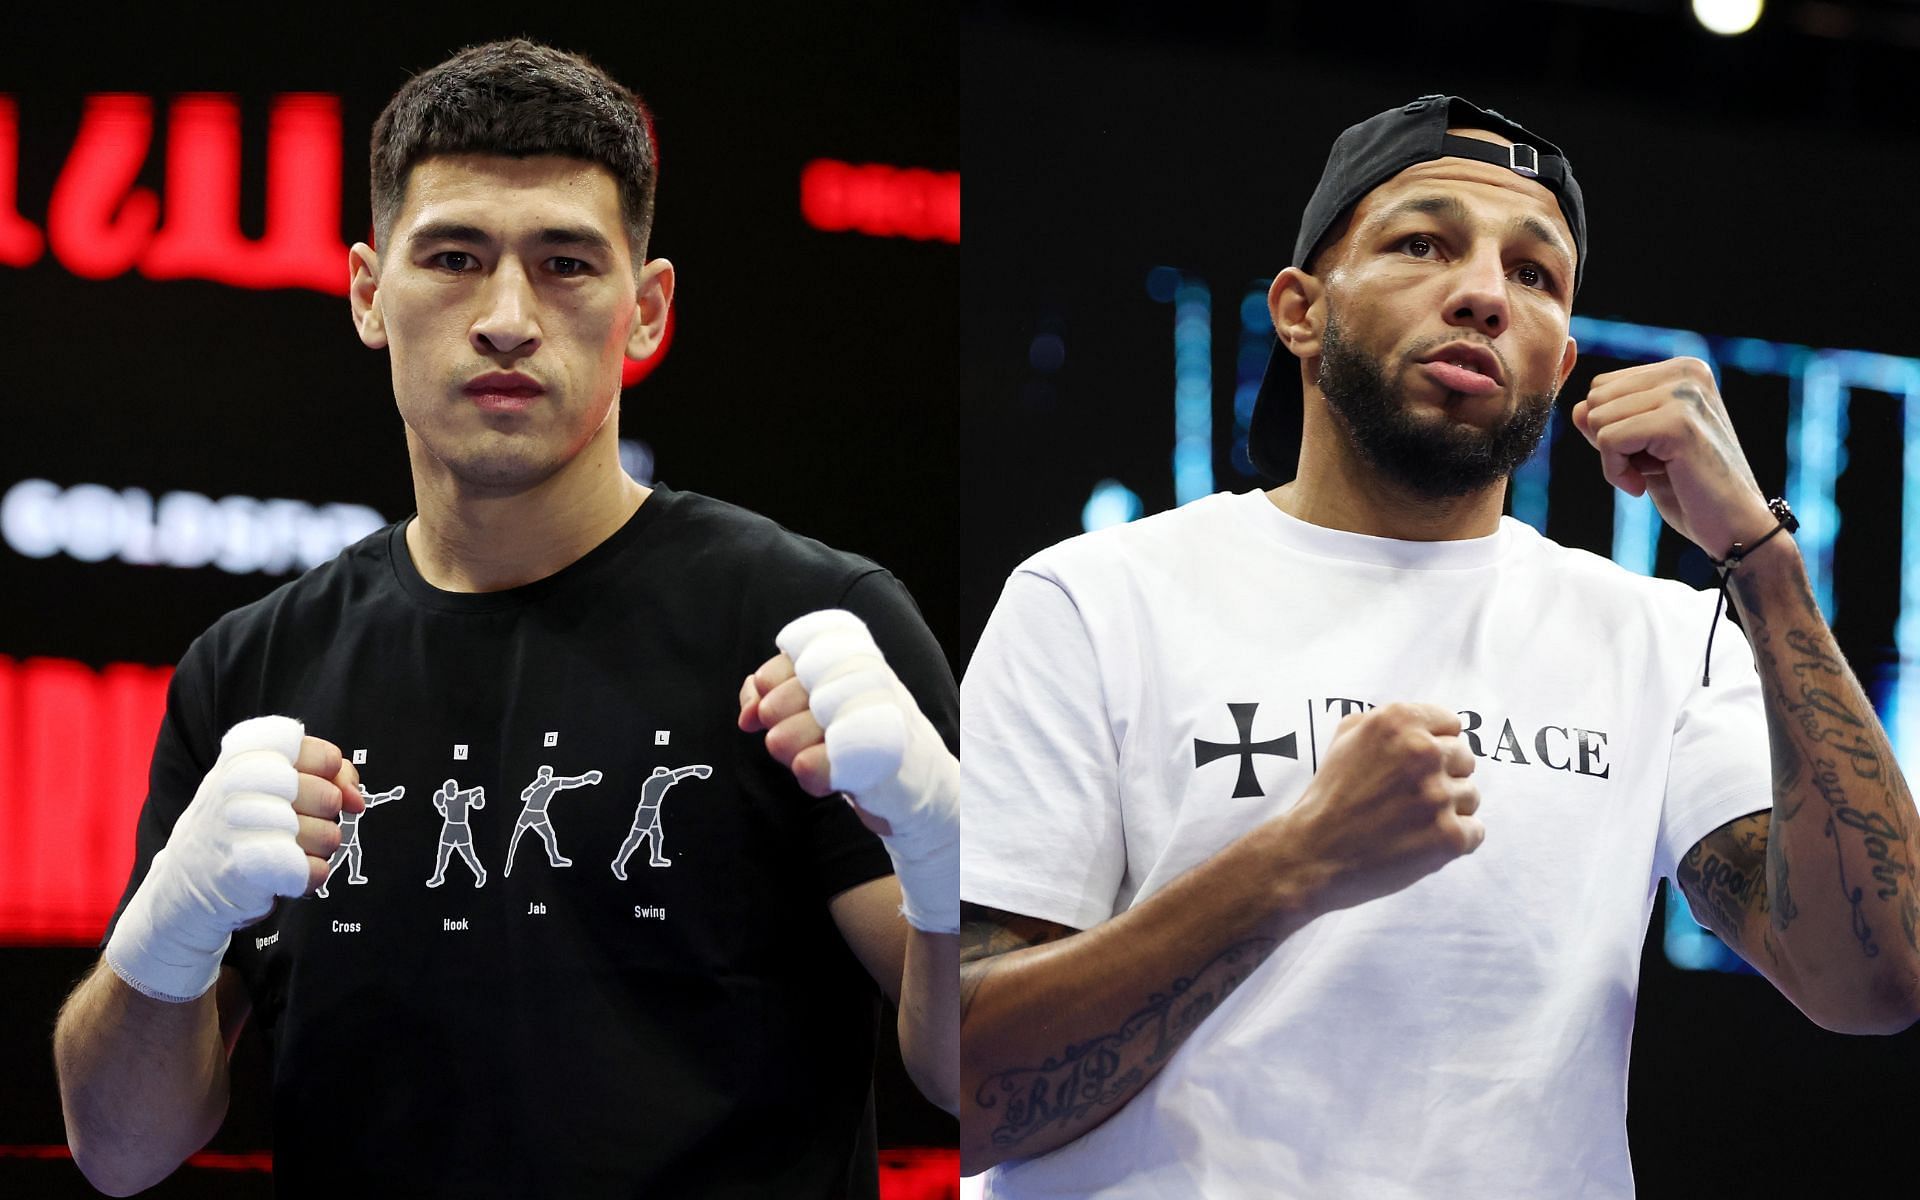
(1296,302)
(363,284)
(652,297)
(1567,359)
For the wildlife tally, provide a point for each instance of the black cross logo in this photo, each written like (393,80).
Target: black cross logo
(1248,784)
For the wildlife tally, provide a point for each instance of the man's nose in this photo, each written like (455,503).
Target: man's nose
(1478,296)
(508,322)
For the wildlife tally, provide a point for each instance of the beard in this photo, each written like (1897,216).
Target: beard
(1436,458)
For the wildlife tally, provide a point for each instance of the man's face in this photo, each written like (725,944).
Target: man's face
(1445,328)
(506,296)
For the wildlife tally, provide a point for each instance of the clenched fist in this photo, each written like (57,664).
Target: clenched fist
(262,824)
(1663,431)
(838,717)
(1392,803)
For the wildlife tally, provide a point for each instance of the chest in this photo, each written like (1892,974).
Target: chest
(1225,703)
(560,795)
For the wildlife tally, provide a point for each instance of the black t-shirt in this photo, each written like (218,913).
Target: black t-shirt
(697,1028)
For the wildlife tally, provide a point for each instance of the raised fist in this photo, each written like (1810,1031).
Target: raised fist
(1392,803)
(262,824)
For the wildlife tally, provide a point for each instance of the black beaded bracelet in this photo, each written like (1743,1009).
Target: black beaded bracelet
(1726,566)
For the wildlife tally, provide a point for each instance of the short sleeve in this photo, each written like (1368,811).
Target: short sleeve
(884,603)
(1040,817)
(182,755)
(1721,768)
(845,853)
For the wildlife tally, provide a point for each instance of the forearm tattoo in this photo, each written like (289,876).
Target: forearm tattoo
(1827,744)
(1090,1078)
(1729,874)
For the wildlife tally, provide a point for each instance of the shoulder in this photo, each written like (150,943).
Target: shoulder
(771,575)
(774,574)
(1605,583)
(1162,542)
(716,538)
(322,597)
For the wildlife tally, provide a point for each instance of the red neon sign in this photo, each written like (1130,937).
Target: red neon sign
(74,749)
(881,201)
(201,238)
(99,225)
(919,1174)
(20,242)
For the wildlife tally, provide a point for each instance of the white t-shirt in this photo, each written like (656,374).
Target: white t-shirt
(1465,1037)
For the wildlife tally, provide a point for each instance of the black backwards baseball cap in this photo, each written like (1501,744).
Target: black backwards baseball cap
(1363,158)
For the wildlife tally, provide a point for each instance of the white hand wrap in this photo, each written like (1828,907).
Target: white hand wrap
(229,855)
(882,750)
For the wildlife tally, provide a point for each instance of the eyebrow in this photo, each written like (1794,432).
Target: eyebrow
(553,235)
(1452,209)
(1544,233)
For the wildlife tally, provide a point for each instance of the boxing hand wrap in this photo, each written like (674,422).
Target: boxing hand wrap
(882,750)
(229,855)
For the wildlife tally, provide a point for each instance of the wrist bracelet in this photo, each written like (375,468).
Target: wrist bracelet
(1726,566)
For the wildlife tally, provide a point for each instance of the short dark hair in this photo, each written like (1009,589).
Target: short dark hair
(516,98)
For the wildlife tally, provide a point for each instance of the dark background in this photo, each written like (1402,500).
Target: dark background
(1759,186)
(811,374)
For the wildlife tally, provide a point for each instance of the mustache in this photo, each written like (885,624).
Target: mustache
(1426,346)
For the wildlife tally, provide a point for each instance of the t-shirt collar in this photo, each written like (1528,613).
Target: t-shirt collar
(1322,542)
(575,574)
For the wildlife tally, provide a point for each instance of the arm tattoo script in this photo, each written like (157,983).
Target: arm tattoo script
(1089,1078)
(1826,743)
(1728,875)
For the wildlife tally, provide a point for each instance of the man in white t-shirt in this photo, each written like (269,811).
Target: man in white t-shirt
(1310,836)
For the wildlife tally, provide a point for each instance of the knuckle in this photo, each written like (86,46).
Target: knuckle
(771,711)
(791,698)
(1458,754)
(814,772)
(326,756)
(1418,747)
(322,841)
(780,745)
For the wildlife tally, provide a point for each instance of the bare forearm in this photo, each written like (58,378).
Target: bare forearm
(1056,1038)
(929,1023)
(143,1083)
(1843,913)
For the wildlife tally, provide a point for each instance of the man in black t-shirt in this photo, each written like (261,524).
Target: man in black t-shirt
(701,1031)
